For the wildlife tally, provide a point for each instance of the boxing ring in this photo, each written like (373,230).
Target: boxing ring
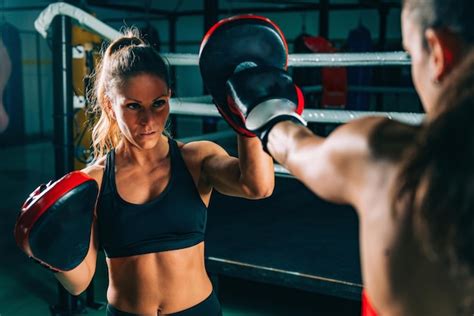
(292,239)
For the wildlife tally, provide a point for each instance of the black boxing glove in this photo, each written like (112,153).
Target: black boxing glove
(264,96)
(234,41)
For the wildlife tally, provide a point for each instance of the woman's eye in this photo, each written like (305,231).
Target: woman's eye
(159,103)
(133,106)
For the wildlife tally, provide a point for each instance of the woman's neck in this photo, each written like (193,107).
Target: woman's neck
(134,155)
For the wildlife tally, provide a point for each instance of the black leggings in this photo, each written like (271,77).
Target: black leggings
(209,307)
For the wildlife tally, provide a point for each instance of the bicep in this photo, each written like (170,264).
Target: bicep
(220,170)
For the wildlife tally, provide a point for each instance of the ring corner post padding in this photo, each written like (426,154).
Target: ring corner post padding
(63,95)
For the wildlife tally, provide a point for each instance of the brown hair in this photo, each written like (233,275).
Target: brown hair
(437,178)
(124,58)
(453,15)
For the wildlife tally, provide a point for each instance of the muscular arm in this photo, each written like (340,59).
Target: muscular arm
(78,279)
(250,176)
(339,166)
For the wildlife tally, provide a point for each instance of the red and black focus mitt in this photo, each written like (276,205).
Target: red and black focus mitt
(243,61)
(54,224)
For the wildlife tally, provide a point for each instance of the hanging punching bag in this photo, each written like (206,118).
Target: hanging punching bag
(13,92)
(5,71)
(334,79)
(306,76)
(359,40)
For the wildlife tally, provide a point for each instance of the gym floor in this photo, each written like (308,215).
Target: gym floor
(27,289)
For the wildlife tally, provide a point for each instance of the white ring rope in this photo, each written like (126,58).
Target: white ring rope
(367,89)
(316,60)
(344,116)
(349,59)
(43,22)
(181,106)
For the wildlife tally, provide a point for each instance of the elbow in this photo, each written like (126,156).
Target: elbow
(265,192)
(76,289)
(260,195)
(74,281)
(261,191)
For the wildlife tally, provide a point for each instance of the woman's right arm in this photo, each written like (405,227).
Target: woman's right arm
(78,279)
(339,166)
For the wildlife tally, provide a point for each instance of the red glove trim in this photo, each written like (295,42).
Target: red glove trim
(300,97)
(236,127)
(245,16)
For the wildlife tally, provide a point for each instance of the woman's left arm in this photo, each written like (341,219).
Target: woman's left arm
(250,176)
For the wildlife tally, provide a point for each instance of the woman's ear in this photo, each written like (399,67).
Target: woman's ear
(109,108)
(444,49)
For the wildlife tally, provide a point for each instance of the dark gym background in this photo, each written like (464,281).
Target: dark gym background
(291,254)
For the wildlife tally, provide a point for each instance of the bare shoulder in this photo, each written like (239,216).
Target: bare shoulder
(373,124)
(382,137)
(96,170)
(389,140)
(366,155)
(196,155)
(201,149)
(362,126)
(351,140)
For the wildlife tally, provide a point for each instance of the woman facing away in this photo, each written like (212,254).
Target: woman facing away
(150,217)
(412,187)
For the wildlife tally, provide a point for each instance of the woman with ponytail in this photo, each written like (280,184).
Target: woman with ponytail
(150,217)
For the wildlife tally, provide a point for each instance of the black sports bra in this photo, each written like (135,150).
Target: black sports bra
(175,219)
